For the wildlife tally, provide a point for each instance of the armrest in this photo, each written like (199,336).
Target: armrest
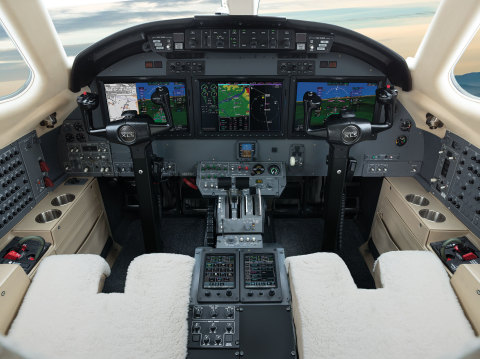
(466,283)
(13,285)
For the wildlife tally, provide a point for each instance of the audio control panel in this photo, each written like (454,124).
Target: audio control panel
(89,158)
(213,326)
(23,180)
(216,178)
(81,156)
(456,180)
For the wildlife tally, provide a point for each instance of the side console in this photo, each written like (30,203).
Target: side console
(239,299)
(23,180)
(456,180)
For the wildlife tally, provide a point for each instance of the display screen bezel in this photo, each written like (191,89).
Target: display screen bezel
(380,80)
(204,263)
(174,132)
(274,266)
(242,134)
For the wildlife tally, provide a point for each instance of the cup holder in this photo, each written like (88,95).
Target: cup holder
(48,216)
(417,200)
(63,199)
(433,216)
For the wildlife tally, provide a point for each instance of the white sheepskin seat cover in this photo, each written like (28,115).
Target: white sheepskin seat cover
(64,316)
(415,315)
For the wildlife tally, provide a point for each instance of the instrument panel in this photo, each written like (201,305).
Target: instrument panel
(241,80)
(250,106)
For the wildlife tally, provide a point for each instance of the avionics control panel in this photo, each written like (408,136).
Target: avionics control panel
(241,39)
(83,156)
(456,181)
(240,298)
(240,275)
(216,178)
(213,326)
(23,180)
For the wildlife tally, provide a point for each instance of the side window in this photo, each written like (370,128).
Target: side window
(467,69)
(14,71)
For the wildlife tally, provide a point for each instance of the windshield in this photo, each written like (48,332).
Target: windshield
(80,23)
(399,25)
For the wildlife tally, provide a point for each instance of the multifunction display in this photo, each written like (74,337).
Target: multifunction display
(137,97)
(358,97)
(260,271)
(219,271)
(241,106)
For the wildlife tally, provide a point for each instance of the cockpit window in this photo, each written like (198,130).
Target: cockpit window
(467,69)
(14,72)
(399,25)
(81,23)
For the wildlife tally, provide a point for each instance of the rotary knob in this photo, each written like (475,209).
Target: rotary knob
(229,312)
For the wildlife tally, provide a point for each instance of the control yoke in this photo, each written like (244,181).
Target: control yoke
(132,128)
(136,131)
(341,132)
(345,128)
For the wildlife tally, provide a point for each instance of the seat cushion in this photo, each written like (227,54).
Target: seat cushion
(64,316)
(415,315)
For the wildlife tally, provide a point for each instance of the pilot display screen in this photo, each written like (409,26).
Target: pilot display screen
(358,97)
(219,271)
(241,106)
(136,96)
(260,271)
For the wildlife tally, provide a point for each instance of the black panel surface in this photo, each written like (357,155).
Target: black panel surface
(267,332)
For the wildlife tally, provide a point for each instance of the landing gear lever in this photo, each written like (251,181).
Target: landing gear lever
(341,132)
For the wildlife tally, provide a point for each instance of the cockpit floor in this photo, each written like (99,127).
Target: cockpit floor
(183,234)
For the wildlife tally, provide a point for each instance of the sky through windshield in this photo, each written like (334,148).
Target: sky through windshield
(399,25)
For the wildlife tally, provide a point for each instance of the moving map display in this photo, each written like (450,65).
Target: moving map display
(241,106)
(136,96)
(358,97)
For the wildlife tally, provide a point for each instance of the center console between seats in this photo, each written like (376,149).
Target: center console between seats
(240,305)
(239,189)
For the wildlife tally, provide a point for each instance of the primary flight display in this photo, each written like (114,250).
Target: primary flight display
(136,96)
(358,97)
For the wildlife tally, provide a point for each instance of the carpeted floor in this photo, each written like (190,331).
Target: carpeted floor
(183,234)
(180,235)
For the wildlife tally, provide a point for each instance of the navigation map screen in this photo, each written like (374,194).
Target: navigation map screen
(241,106)
(358,97)
(260,271)
(136,96)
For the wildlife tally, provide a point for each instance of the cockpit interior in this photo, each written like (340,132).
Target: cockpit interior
(240,186)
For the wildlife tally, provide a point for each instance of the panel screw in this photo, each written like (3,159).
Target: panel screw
(339,172)
(478,292)
(3,294)
(292,353)
(140,172)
